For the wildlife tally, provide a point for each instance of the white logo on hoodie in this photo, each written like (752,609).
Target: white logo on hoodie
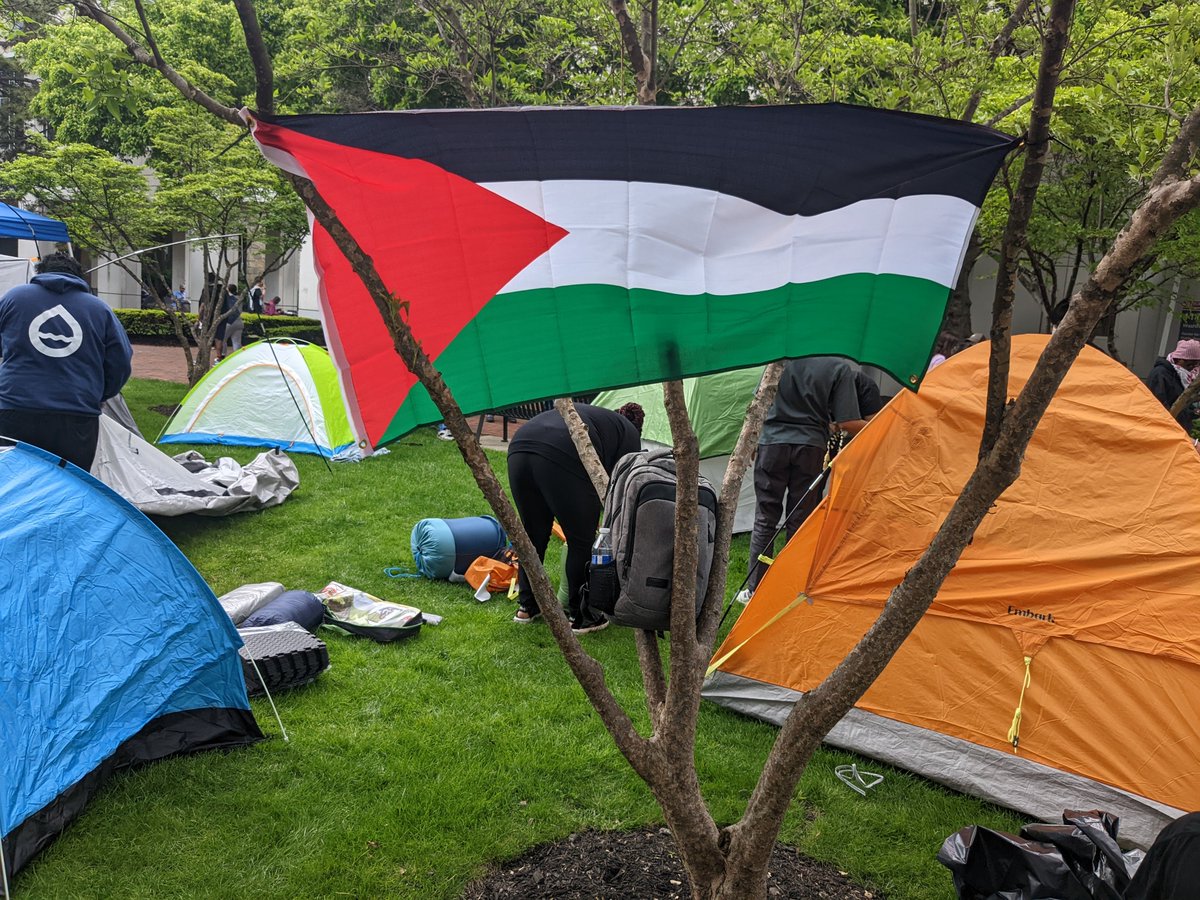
(56,345)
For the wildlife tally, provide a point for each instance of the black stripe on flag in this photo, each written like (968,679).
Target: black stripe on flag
(791,159)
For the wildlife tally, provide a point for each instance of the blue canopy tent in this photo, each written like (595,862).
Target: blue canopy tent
(113,650)
(29,226)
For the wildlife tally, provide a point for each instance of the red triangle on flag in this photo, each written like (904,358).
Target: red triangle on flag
(441,243)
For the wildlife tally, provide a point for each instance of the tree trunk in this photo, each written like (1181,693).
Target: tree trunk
(1037,152)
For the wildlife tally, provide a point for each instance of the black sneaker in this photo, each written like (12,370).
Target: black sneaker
(588,628)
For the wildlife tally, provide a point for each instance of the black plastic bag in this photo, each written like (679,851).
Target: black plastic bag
(1078,860)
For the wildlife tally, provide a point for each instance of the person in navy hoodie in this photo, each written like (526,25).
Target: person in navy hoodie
(62,354)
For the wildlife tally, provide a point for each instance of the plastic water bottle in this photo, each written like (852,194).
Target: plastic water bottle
(602,554)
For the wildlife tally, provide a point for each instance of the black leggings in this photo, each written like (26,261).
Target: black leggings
(544,491)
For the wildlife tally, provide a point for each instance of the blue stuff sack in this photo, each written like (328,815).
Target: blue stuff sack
(301,607)
(445,547)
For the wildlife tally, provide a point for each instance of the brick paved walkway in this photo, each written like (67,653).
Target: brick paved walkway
(162,361)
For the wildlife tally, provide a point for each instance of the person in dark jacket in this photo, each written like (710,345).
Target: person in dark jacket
(548,482)
(1171,374)
(1171,869)
(63,354)
(817,395)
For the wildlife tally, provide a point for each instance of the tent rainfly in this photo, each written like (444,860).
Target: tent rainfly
(1059,666)
(113,650)
(278,393)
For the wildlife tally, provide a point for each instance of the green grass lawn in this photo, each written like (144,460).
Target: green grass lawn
(411,766)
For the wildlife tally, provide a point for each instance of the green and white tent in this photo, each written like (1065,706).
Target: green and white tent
(717,407)
(279,393)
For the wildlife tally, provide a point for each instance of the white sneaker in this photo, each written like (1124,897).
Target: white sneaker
(743,596)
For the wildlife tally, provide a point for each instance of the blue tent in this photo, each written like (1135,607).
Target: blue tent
(20,223)
(113,650)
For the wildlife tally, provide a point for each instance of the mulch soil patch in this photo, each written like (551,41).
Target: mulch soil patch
(611,865)
(166,410)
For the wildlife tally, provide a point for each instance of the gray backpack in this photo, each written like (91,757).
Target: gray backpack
(640,513)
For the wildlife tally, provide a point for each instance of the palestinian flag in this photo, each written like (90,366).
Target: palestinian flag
(549,252)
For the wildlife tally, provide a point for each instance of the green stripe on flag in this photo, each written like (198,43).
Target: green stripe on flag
(556,341)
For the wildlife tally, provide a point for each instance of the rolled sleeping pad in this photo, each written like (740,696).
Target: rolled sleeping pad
(445,547)
(248,599)
(301,607)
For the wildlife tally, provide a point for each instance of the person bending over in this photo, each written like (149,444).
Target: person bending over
(548,482)
(63,354)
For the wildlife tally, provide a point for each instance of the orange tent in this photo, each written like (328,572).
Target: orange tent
(1076,601)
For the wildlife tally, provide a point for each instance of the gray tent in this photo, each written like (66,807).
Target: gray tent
(160,485)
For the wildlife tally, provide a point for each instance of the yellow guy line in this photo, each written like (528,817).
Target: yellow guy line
(761,628)
(1014,730)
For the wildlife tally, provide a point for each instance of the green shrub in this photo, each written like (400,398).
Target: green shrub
(153,325)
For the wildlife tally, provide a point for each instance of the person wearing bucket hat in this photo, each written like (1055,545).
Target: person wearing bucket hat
(1174,372)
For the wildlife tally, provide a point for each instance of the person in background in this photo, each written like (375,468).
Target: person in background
(870,400)
(257,292)
(271,307)
(548,482)
(816,394)
(234,324)
(1171,374)
(946,345)
(63,354)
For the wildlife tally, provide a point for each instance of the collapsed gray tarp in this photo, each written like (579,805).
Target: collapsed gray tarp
(163,486)
(118,409)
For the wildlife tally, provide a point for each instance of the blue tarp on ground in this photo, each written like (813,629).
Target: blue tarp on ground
(113,649)
(20,223)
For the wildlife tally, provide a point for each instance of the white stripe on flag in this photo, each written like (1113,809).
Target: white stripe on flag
(681,240)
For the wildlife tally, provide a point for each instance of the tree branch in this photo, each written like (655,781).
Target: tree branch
(1182,151)
(1020,10)
(589,672)
(153,44)
(735,471)
(654,679)
(1008,111)
(1037,151)
(92,10)
(1184,400)
(583,445)
(642,71)
(264,75)
(823,706)
(683,574)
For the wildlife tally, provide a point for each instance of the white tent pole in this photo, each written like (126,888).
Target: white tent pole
(262,681)
(4,874)
(211,237)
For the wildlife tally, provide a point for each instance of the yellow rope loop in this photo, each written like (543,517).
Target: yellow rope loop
(1014,731)
(763,558)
